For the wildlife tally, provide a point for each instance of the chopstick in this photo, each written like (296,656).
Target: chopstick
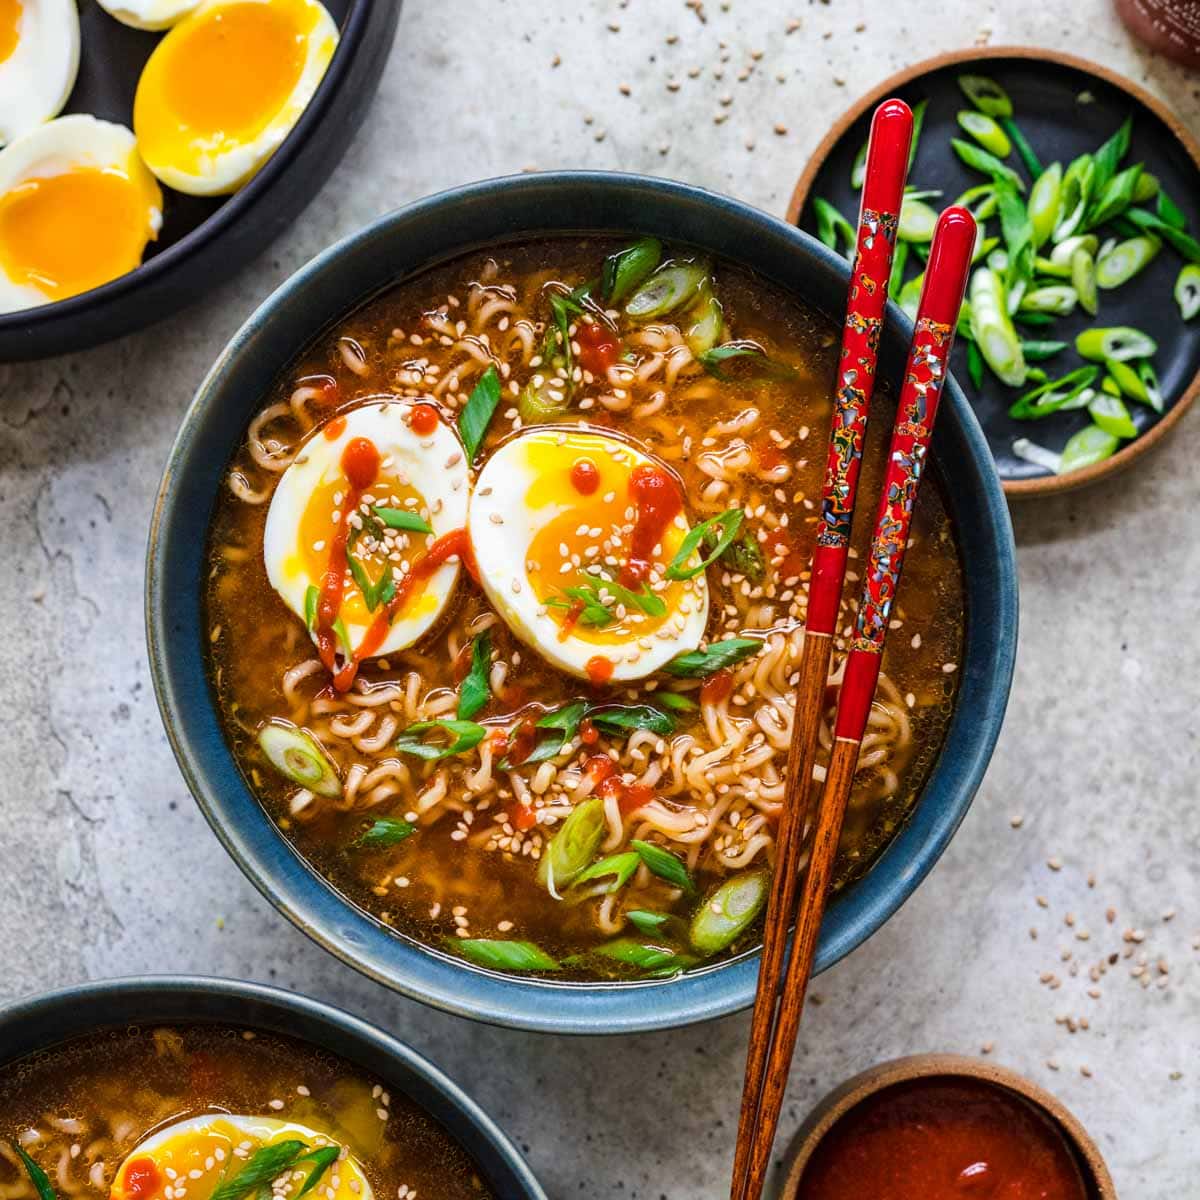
(916,410)
(883,190)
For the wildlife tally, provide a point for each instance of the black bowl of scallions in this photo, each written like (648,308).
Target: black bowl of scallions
(1079,346)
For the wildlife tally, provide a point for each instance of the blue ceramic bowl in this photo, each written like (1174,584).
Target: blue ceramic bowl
(40,1022)
(332,285)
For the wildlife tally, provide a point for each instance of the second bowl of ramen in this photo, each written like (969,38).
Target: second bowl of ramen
(477,587)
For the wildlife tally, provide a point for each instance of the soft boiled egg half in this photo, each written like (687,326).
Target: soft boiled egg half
(39,58)
(149,14)
(77,207)
(189,1160)
(378,489)
(573,532)
(223,89)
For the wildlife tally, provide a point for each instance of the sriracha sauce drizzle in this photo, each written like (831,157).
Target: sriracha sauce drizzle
(658,501)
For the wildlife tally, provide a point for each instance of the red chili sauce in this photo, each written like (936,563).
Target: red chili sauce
(943,1139)
(658,501)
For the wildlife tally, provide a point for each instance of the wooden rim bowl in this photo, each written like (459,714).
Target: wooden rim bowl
(842,1099)
(1042,485)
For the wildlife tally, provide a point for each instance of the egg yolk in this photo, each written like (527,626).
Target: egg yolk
(66,233)
(575,557)
(219,78)
(10,27)
(317,528)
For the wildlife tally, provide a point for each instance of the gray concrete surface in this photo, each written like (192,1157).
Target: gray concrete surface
(106,867)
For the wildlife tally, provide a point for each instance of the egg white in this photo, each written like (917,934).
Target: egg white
(60,146)
(214,162)
(434,465)
(149,14)
(189,1145)
(512,502)
(37,77)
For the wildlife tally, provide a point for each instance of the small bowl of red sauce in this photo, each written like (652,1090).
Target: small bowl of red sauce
(944,1127)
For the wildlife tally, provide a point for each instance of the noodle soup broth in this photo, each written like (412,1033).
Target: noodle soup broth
(179,1113)
(540,714)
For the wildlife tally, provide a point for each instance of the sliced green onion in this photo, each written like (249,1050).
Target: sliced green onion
(986,94)
(697,664)
(671,287)
(1088,447)
(464,736)
(298,756)
(1184,243)
(1187,291)
(1126,260)
(476,415)
(647,922)
(1147,188)
(322,1158)
(858,169)
(724,915)
(979,159)
(505,956)
(975,364)
(621,720)
(386,831)
(1033,319)
(677,701)
(729,522)
(1055,395)
(643,955)
(1036,351)
(664,864)
(402,518)
(918,123)
(832,227)
(1084,280)
(264,1165)
(1119,342)
(705,332)
(38,1177)
(628,268)
(986,132)
(1073,196)
(1128,380)
(475,689)
(1040,456)
(1168,211)
(992,327)
(1058,299)
(979,201)
(1108,157)
(749,358)
(745,558)
(1115,197)
(909,298)
(1063,251)
(1149,378)
(620,866)
(536,405)
(573,846)
(1043,203)
(917,221)
(899,262)
(1032,163)
(563,724)
(1110,413)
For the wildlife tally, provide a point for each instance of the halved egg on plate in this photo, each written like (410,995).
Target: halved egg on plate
(574,532)
(225,87)
(77,207)
(39,59)
(195,1158)
(149,14)
(377,497)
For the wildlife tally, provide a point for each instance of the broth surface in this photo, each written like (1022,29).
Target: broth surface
(80,1109)
(709,791)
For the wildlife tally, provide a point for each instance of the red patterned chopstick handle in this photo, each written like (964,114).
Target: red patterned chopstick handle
(916,411)
(883,191)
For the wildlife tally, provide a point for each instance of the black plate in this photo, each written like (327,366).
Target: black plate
(203,240)
(1045,90)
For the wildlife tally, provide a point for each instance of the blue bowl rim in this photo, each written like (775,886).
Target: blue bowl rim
(73,1005)
(581,1008)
